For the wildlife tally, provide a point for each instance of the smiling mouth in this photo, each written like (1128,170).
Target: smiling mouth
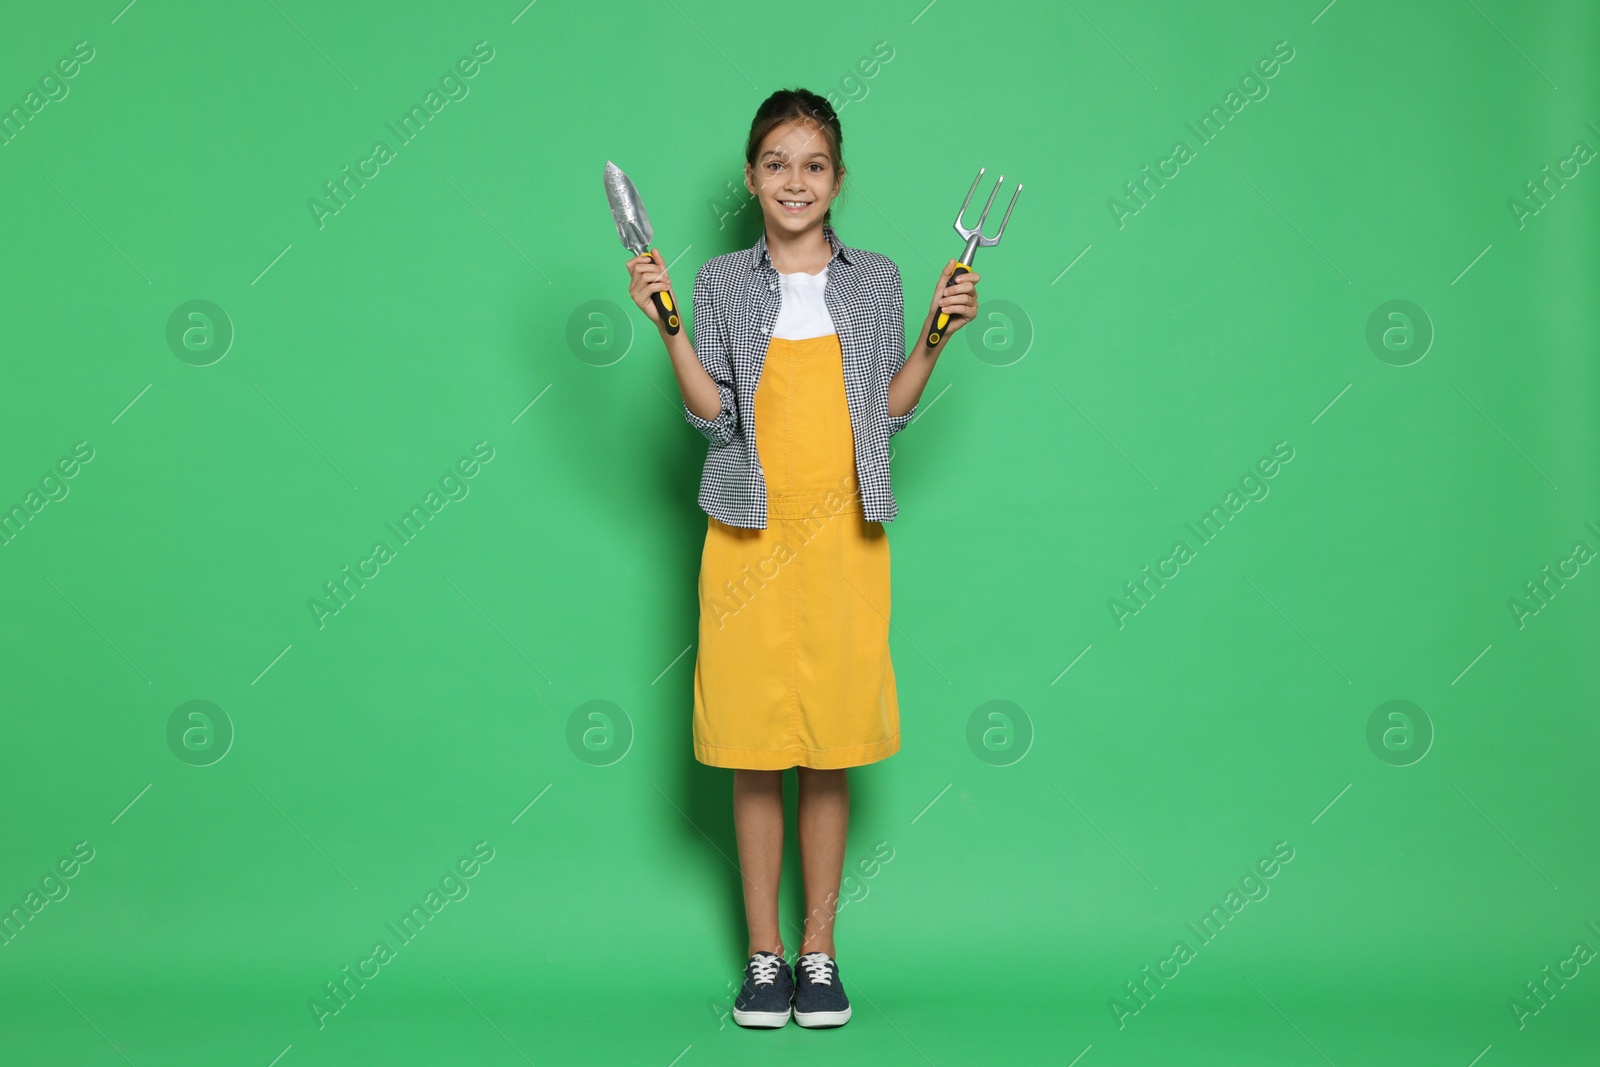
(794,207)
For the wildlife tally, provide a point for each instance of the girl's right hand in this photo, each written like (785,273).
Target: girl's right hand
(649,277)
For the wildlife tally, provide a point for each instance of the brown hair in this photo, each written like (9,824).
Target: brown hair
(786,105)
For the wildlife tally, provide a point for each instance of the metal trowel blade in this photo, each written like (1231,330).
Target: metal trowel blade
(627,210)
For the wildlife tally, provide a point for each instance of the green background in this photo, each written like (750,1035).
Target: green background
(1063,444)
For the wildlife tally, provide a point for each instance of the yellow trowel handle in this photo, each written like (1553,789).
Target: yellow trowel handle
(666,305)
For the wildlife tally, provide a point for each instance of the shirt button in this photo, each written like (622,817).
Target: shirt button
(772,287)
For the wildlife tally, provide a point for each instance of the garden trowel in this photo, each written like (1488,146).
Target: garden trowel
(633,227)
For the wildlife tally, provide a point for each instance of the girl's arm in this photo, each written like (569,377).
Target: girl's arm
(702,367)
(960,301)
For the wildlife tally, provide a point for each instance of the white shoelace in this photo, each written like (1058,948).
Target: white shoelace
(817,967)
(764,968)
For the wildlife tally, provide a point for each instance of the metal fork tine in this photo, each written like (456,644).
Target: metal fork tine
(959,228)
(990,202)
(1006,218)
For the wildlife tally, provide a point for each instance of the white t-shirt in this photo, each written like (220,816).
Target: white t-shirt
(803,313)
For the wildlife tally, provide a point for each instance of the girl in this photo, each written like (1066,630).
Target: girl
(797,375)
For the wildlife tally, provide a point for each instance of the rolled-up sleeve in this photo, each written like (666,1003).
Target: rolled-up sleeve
(711,348)
(894,348)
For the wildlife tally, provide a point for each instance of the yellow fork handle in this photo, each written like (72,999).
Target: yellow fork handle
(942,320)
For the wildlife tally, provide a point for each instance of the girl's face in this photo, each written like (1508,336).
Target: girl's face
(794,176)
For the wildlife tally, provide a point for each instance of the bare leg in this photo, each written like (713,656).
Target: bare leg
(758,824)
(824,823)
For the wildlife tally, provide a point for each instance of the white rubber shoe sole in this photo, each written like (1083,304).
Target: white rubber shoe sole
(764,1020)
(819,1019)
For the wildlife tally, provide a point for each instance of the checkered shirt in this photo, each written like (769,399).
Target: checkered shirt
(736,303)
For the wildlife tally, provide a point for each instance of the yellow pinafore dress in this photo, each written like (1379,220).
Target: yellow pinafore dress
(793,665)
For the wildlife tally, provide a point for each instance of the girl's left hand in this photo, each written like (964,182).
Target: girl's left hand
(958,300)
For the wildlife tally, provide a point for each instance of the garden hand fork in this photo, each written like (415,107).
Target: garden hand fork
(975,238)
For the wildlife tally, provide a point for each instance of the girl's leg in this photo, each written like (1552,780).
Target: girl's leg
(758,824)
(824,821)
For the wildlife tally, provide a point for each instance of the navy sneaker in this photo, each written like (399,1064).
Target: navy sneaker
(819,999)
(765,999)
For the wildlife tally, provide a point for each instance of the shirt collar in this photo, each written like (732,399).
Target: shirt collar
(760,257)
